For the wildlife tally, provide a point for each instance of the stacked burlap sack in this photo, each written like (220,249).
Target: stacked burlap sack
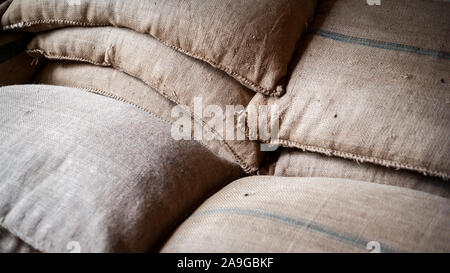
(362,96)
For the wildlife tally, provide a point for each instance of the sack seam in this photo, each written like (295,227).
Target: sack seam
(115,97)
(40,245)
(122,99)
(283,142)
(32,22)
(53,56)
(357,157)
(244,80)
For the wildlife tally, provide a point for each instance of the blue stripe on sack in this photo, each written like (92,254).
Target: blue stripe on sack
(304,224)
(380,44)
(14,48)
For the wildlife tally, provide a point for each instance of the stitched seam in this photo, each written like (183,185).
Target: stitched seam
(230,71)
(110,95)
(238,159)
(122,99)
(284,142)
(356,157)
(47,21)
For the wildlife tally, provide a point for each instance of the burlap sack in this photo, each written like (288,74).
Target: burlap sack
(251,40)
(174,75)
(370,85)
(112,83)
(80,168)
(273,214)
(295,163)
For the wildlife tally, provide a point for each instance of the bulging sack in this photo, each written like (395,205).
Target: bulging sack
(177,77)
(251,40)
(365,87)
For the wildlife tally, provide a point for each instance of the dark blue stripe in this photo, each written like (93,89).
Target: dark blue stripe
(299,223)
(380,44)
(14,48)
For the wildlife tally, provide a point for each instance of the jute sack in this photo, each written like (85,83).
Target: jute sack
(273,214)
(371,92)
(174,75)
(295,163)
(113,83)
(251,40)
(82,169)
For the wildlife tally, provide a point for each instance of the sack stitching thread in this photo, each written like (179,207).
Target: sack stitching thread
(230,71)
(50,55)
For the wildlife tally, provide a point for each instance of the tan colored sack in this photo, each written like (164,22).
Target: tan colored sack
(372,100)
(77,167)
(174,75)
(112,83)
(251,40)
(295,163)
(273,214)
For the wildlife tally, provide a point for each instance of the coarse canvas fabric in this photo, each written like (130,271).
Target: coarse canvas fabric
(372,85)
(251,40)
(312,214)
(79,167)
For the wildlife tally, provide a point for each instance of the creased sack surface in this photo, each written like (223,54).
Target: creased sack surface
(77,166)
(322,215)
(384,101)
(295,163)
(251,40)
(174,75)
(112,83)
